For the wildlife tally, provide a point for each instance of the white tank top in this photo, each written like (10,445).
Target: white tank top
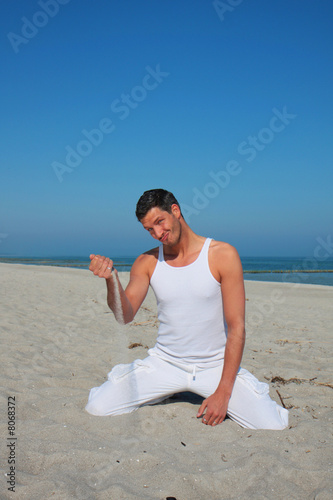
(190,311)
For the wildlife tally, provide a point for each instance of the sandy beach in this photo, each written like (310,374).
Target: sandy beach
(59,339)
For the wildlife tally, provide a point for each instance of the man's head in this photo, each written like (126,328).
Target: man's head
(155,198)
(160,214)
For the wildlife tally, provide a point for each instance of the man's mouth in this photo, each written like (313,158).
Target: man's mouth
(164,237)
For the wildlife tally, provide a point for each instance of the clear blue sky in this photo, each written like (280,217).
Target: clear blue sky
(181,92)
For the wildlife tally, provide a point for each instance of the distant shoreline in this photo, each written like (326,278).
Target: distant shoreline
(68,263)
(291,271)
(284,270)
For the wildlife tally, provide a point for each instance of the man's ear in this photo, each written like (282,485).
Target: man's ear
(175,210)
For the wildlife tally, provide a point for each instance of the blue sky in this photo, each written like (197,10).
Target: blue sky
(230,108)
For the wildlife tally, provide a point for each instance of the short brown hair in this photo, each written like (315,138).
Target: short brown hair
(155,198)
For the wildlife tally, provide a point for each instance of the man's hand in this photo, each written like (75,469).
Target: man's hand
(216,407)
(101,266)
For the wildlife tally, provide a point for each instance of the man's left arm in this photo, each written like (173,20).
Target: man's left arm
(232,286)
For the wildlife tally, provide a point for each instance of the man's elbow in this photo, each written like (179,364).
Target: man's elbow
(237,330)
(129,315)
(128,320)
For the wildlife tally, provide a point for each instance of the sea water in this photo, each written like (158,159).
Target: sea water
(307,270)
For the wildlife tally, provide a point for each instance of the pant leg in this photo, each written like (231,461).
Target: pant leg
(132,385)
(250,405)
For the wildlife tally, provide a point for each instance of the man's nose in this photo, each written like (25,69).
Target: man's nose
(158,232)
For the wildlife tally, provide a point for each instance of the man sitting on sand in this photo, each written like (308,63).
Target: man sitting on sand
(199,287)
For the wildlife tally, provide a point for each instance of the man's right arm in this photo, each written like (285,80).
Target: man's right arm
(123,303)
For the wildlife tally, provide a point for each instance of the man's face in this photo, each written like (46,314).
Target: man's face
(163,226)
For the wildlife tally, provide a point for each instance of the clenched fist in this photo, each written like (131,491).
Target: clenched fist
(101,266)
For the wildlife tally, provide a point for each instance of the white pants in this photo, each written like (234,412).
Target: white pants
(153,379)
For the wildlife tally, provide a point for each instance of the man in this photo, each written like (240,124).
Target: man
(198,283)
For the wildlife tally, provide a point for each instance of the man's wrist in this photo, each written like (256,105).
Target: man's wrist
(114,272)
(224,390)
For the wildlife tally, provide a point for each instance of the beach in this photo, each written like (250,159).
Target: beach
(59,339)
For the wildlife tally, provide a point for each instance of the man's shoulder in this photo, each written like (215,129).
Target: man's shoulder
(220,249)
(146,262)
(223,258)
(149,255)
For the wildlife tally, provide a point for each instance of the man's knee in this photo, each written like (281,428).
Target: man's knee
(95,410)
(274,420)
(98,404)
(281,421)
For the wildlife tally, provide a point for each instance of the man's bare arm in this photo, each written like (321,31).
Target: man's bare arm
(123,303)
(233,293)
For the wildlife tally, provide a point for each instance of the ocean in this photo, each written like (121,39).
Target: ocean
(307,270)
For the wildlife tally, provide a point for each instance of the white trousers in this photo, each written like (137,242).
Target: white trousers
(153,379)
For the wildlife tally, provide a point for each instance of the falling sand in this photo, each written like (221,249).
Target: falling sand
(118,310)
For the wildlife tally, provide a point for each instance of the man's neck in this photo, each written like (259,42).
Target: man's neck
(189,243)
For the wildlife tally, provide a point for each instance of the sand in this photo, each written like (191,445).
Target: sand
(59,339)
